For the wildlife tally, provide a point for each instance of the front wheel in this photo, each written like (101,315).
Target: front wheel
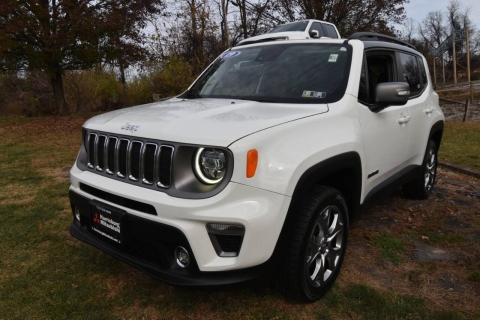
(317,247)
(421,187)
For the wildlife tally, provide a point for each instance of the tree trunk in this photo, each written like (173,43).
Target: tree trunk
(124,81)
(59,94)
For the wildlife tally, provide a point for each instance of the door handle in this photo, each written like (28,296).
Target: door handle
(403,120)
(429,110)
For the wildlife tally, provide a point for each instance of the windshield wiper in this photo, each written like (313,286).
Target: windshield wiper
(252,98)
(265,100)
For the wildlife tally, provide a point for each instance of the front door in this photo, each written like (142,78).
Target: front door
(385,132)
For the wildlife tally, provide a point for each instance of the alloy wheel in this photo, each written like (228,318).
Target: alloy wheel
(325,246)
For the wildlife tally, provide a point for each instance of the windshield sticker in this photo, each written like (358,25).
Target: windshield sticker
(230,54)
(314,94)
(333,58)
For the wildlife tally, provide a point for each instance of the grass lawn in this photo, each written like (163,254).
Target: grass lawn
(47,274)
(461,144)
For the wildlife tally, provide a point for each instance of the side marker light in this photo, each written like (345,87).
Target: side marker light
(252,161)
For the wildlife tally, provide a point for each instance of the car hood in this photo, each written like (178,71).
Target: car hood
(216,122)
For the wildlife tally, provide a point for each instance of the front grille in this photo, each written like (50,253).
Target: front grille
(135,161)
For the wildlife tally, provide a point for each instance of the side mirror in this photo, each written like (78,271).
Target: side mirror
(314,34)
(391,94)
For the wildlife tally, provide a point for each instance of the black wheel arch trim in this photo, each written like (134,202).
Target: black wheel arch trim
(436,133)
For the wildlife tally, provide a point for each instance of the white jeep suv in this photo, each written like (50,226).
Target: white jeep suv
(261,164)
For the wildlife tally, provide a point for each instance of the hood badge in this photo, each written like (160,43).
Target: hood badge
(130,127)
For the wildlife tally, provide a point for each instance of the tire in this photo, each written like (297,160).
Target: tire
(317,245)
(421,187)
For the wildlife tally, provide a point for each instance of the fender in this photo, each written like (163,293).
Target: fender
(326,172)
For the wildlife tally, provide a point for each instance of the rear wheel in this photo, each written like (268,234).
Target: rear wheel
(317,247)
(421,187)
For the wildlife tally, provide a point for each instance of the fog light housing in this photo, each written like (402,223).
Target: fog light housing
(77,213)
(182,256)
(226,239)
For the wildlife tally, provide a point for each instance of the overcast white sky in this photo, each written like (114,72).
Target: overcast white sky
(418,9)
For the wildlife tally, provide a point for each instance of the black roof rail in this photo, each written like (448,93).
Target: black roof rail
(371,36)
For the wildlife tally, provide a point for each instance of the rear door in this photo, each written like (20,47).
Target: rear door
(413,72)
(385,132)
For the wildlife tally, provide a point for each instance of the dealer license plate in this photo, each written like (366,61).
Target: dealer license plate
(107,221)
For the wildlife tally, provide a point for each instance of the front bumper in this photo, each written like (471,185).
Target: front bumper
(182,222)
(156,259)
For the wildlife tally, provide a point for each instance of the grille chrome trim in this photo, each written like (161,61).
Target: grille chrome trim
(155,161)
(129,161)
(158,166)
(126,158)
(100,166)
(91,165)
(107,167)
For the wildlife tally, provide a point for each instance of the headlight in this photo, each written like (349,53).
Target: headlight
(210,165)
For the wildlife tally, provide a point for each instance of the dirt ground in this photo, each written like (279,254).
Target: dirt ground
(440,260)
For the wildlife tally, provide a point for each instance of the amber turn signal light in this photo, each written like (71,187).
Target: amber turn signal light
(252,160)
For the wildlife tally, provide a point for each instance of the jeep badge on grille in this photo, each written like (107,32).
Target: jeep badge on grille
(130,127)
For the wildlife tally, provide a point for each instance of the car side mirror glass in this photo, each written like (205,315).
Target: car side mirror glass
(391,94)
(314,34)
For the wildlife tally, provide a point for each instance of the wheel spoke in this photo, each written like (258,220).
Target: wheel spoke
(311,259)
(325,218)
(335,229)
(332,255)
(319,272)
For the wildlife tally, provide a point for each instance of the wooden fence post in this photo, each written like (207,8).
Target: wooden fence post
(467,106)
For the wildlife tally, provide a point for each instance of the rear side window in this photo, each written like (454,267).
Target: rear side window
(423,73)
(410,74)
(331,32)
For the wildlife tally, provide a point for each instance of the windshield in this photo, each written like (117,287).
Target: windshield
(295,26)
(284,73)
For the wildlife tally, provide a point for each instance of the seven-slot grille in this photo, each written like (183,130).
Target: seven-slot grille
(148,163)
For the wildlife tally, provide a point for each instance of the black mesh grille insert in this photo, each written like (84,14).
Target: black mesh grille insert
(111,154)
(229,243)
(135,159)
(91,149)
(122,157)
(149,162)
(101,151)
(164,171)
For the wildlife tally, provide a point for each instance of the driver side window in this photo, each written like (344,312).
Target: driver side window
(377,68)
